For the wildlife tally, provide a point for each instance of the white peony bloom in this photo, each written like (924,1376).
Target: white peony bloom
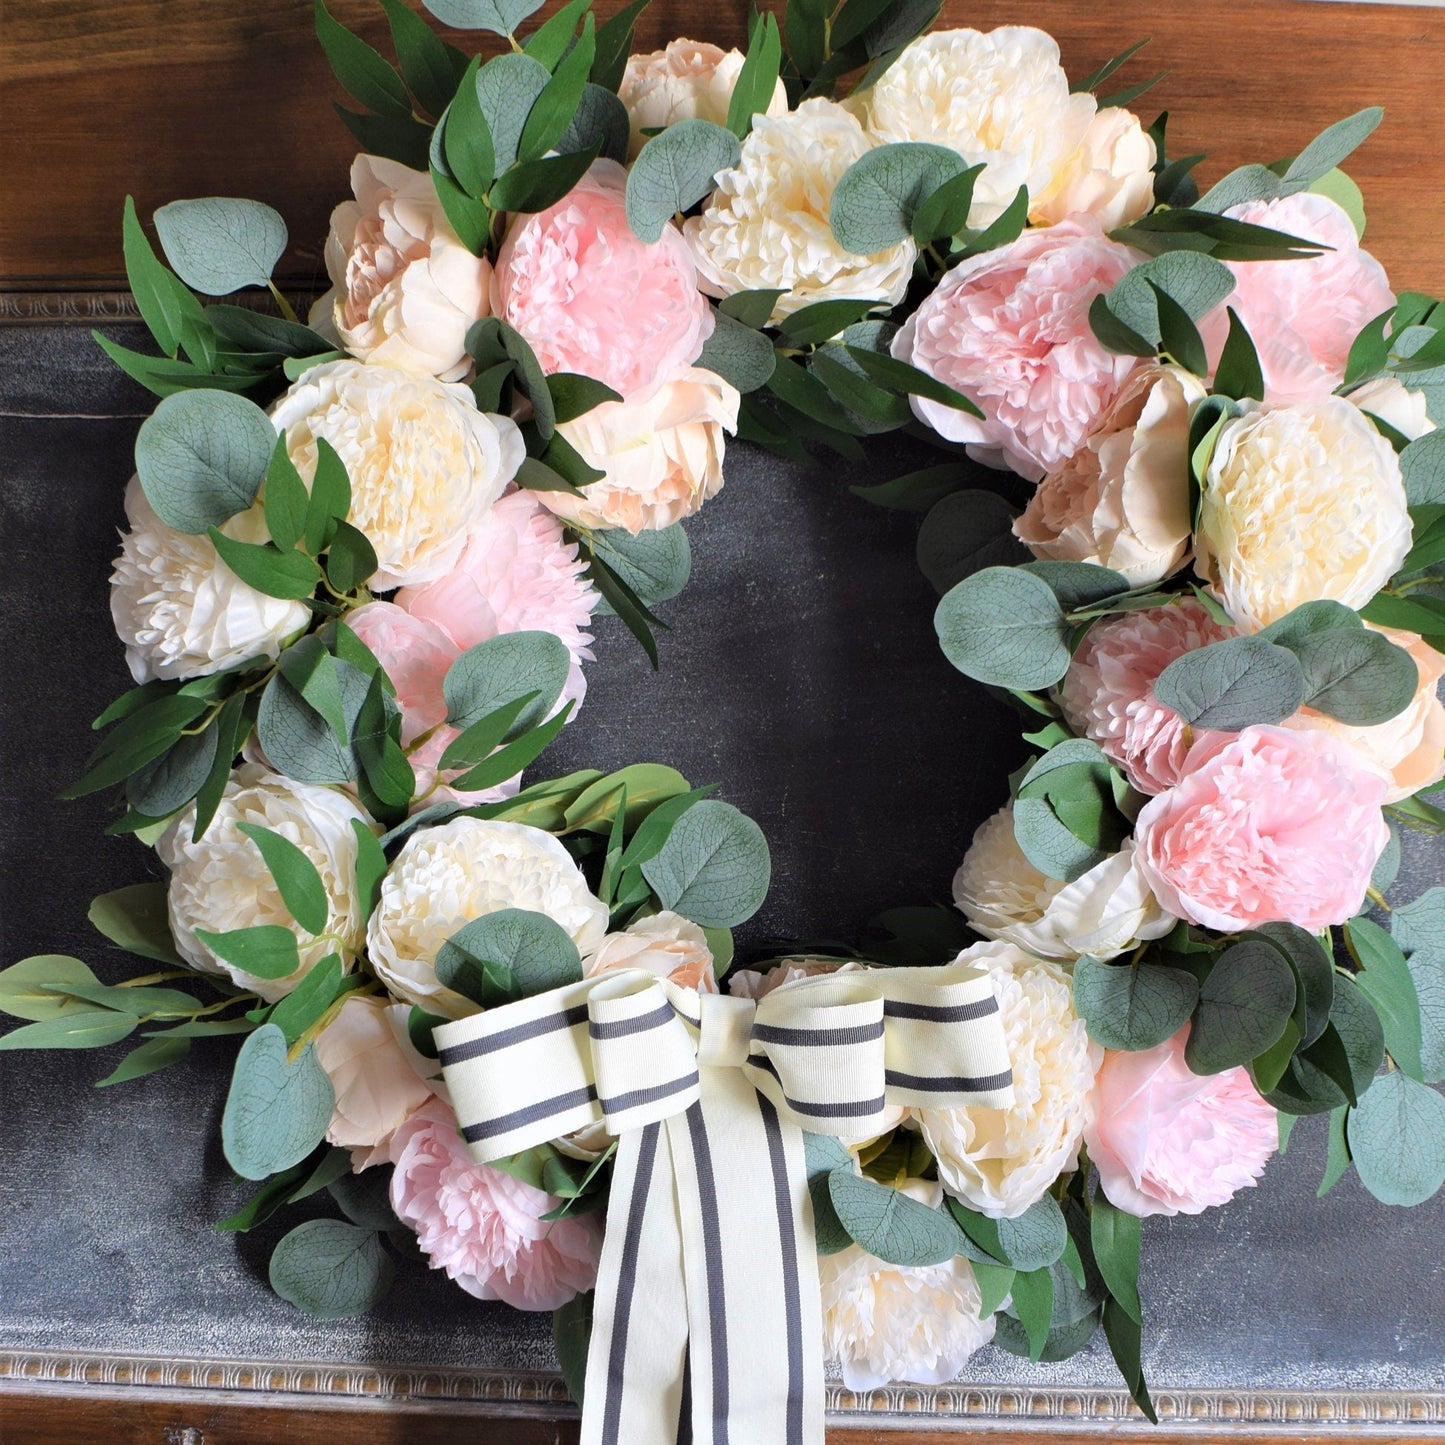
(1300,502)
(1110,176)
(1000,1161)
(446,876)
(666,944)
(766,227)
(1000,99)
(1104,912)
(1388,398)
(425,464)
(222,882)
(179,610)
(885,1322)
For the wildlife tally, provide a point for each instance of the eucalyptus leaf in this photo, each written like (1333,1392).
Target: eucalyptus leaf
(1232,684)
(1244,1004)
(889,1224)
(714,867)
(502,669)
(738,353)
(1397,1140)
(331,1269)
(501,17)
(220,244)
(874,201)
(1005,627)
(1196,282)
(1358,677)
(538,952)
(674,170)
(1133,1007)
(965,532)
(277,1110)
(655,564)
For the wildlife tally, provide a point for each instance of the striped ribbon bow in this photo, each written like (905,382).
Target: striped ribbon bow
(708,1265)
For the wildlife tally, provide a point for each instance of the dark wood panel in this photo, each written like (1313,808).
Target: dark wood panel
(170,98)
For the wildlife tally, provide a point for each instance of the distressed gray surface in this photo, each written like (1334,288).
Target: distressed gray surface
(803,676)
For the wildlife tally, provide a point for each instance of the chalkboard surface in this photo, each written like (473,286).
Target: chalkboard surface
(803,677)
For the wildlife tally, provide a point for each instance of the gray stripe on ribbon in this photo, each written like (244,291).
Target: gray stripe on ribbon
(818,1038)
(938,1014)
(788,1242)
(622,1310)
(712,1256)
(639,1025)
(981,1084)
(619,1102)
(819,1111)
(505,1123)
(505,1038)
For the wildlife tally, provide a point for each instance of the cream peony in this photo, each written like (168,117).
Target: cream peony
(1122,500)
(1105,912)
(1300,502)
(766,225)
(425,464)
(1000,1161)
(1110,176)
(666,944)
(1000,98)
(1396,405)
(179,610)
(662,455)
(222,882)
(407,289)
(447,876)
(690,80)
(885,1322)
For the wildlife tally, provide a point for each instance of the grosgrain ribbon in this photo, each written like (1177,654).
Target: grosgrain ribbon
(708,1265)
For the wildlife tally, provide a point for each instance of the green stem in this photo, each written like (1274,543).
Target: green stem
(287,310)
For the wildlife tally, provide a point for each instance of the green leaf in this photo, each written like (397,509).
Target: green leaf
(331,1269)
(1244,1004)
(165,305)
(296,878)
(539,184)
(350,558)
(219,244)
(740,355)
(365,1198)
(574,395)
(752,308)
(655,564)
(428,64)
(1332,146)
(550,41)
(625,603)
(286,499)
(1419,929)
(614,40)
(600,120)
(277,1109)
(387,780)
(756,82)
(823,320)
(945,212)
(135,918)
(908,380)
(231,728)
(1098,77)
(571,1335)
(27,988)
(147,1058)
(964,533)
(1113,335)
(916,491)
(1033,1303)
(507,89)
(304,1005)
(363,72)
(1385,979)
(714,867)
(501,17)
(874,200)
(674,171)
(271,1196)
(1338,1158)
(995,1281)
(1007,227)
(889,1224)
(487,677)
(510,760)
(72,1029)
(260,565)
(316,675)
(1196,283)
(1179,338)
(1115,1237)
(491,341)
(265,951)
(1357,677)
(1314,974)
(1232,684)
(1031,1240)
(166,784)
(201,457)
(536,951)
(1133,1007)
(1238,374)
(330,497)
(1123,1333)
(1397,1139)
(1004,627)
(557,104)
(256,331)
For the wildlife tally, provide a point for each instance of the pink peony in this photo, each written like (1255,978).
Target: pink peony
(590,297)
(1010,330)
(1302,315)
(1169,1141)
(1277,826)
(1108,692)
(484,1227)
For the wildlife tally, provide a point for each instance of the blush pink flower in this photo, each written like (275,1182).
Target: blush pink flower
(1302,315)
(482,1226)
(590,297)
(1169,1141)
(1010,330)
(1108,692)
(1277,826)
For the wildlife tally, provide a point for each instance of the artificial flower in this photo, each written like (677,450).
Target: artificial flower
(1110,176)
(666,944)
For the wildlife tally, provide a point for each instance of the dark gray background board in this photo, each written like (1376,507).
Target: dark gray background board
(803,676)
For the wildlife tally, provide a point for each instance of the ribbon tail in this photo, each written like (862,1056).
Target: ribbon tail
(635,1360)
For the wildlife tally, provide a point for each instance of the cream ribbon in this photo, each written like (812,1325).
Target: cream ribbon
(709,1272)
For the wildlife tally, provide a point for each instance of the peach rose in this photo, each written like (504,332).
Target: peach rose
(750,983)
(1122,500)
(1108,692)
(663,455)
(590,297)
(1278,826)
(1170,1141)
(1109,177)
(690,80)
(1010,330)
(666,944)
(406,288)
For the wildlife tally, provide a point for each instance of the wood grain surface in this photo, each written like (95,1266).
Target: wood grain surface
(172,98)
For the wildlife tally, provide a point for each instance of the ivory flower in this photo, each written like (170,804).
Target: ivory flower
(1010,330)
(885,1322)
(425,465)
(222,882)
(179,610)
(766,225)
(447,876)
(1278,826)
(1395,404)
(1110,176)
(1122,500)
(666,944)
(1001,1161)
(407,289)
(750,983)
(690,80)
(1104,912)
(663,456)
(999,98)
(1300,502)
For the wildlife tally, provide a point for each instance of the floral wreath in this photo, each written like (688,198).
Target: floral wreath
(360,564)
